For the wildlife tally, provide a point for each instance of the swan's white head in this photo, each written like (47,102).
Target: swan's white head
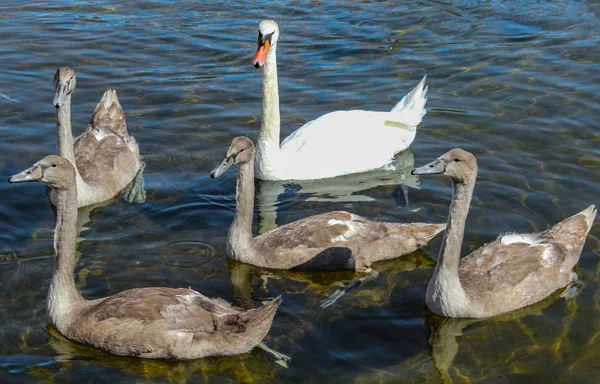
(268,34)
(64,85)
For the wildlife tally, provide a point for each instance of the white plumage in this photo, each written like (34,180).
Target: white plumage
(337,143)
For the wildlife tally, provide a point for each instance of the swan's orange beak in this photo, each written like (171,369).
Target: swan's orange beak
(261,54)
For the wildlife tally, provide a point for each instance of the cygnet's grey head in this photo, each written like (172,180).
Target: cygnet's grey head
(53,170)
(240,151)
(458,164)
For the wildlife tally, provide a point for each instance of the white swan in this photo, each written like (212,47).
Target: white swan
(335,144)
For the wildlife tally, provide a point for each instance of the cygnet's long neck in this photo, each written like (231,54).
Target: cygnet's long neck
(63,297)
(239,238)
(64,132)
(445,286)
(267,145)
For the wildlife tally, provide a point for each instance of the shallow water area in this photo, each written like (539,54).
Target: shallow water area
(515,83)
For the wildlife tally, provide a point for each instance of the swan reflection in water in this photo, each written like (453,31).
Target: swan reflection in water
(342,189)
(468,350)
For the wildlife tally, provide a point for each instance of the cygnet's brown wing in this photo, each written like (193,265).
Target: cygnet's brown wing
(98,160)
(521,267)
(331,238)
(182,309)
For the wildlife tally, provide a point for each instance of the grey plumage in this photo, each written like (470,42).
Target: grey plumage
(329,241)
(513,271)
(105,156)
(146,322)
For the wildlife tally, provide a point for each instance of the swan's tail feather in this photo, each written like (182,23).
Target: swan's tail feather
(412,106)
(109,116)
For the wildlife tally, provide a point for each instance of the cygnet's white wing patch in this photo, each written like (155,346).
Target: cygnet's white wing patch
(513,238)
(548,254)
(533,241)
(345,235)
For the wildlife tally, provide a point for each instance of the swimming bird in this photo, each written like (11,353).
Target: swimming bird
(334,144)
(330,241)
(513,271)
(166,323)
(105,156)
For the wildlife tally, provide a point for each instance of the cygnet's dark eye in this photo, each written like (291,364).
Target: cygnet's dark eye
(53,165)
(456,160)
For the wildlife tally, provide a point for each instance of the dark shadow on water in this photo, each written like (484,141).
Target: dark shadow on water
(315,286)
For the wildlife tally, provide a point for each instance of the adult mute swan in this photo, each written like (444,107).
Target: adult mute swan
(334,144)
(105,157)
(329,241)
(513,271)
(153,323)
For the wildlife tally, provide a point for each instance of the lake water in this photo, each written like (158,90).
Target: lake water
(514,82)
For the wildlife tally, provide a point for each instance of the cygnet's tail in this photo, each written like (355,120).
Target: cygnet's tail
(590,215)
(571,234)
(411,109)
(250,326)
(576,226)
(109,116)
(262,317)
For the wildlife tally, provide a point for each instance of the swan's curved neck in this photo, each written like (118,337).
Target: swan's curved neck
(240,233)
(64,132)
(445,286)
(267,145)
(455,230)
(63,297)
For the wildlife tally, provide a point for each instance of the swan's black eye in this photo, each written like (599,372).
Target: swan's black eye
(456,160)
(53,165)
